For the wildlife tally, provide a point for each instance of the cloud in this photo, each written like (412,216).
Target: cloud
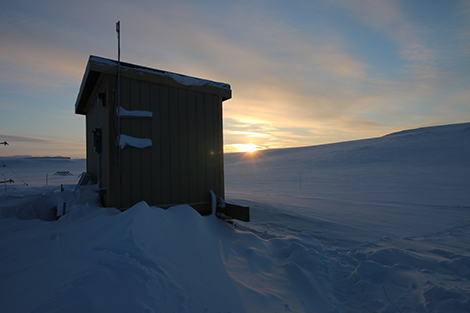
(19,138)
(389,17)
(296,76)
(378,13)
(41,146)
(31,43)
(39,65)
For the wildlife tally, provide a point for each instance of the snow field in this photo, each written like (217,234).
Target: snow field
(378,225)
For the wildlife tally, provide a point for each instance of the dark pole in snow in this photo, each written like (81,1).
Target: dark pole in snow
(4,165)
(3,174)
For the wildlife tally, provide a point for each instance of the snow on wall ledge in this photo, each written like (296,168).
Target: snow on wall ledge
(128,141)
(133,114)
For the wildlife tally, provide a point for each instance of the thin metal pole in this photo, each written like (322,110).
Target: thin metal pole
(118,30)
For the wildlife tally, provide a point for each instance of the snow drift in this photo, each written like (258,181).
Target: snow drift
(378,225)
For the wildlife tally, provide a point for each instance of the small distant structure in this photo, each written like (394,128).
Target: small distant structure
(63,173)
(152,135)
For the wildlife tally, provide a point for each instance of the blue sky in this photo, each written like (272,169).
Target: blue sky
(302,72)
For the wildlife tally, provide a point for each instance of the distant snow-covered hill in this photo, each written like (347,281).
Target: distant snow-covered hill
(33,170)
(448,143)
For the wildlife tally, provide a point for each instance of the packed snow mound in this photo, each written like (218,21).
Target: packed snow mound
(47,204)
(151,260)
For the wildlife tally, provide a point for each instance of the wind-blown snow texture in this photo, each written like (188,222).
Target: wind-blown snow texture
(378,225)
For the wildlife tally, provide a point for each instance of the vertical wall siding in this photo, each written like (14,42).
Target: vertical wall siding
(183,146)
(164,150)
(147,168)
(174,146)
(219,122)
(135,131)
(201,145)
(91,156)
(136,164)
(156,129)
(192,147)
(210,150)
(109,144)
(185,160)
(126,154)
(97,117)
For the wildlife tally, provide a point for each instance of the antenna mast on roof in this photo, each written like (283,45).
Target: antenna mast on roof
(118,30)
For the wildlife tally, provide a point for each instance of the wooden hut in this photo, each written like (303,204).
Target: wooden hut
(152,135)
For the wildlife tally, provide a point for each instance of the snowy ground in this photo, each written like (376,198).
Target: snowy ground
(378,225)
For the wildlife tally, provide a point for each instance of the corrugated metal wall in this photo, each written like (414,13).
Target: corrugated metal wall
(186,157)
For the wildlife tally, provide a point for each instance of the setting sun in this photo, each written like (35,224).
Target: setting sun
(250,147)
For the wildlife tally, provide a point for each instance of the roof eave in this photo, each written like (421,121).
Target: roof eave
(97,66)
(90,77)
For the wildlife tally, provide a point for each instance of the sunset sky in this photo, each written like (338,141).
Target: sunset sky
(302,72)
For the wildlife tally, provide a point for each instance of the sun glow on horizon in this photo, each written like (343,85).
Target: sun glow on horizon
(249,148)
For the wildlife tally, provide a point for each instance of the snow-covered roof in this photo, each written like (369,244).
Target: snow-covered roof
(98,65)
